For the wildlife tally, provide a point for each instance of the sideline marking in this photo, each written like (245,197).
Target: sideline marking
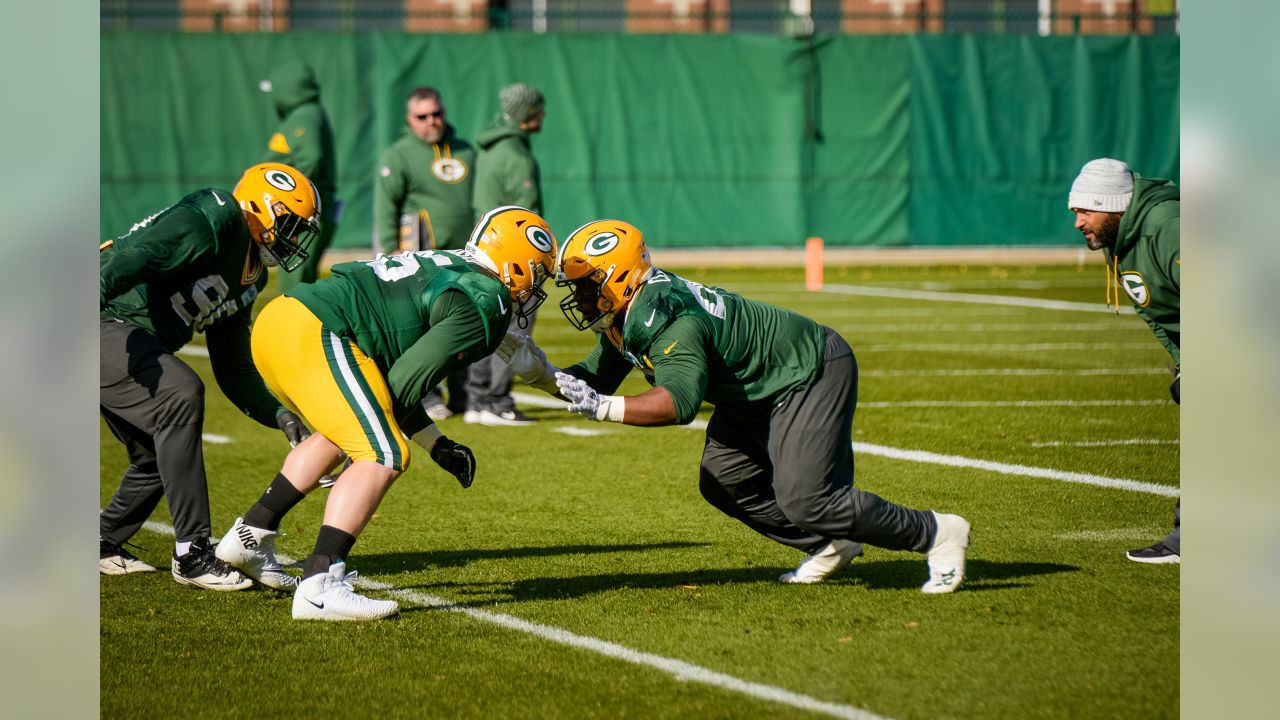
(1011,469)
(680,670)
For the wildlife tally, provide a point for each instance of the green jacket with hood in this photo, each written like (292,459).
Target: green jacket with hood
(1147,258)
(506,171)
(416,176)
(304,138)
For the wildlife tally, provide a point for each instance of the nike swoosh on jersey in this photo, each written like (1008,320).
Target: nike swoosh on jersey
(649,322)
(501,307)
(215,197)
(667,349)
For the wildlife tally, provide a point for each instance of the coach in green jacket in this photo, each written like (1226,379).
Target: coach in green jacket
(1135,222)
(506,174)
(304,140)
(422,201)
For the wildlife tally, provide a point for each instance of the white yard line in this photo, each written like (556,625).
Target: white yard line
(978,298)
(1011,469)
(1111,535)
(1003,347)
(1008,403)
(1015,372)
(576,431)
(923,456)
(194,350)
(678,669)
(1104,443)
(991,327)
(216,439)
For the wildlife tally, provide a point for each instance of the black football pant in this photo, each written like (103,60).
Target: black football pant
(788,474)
(154,404)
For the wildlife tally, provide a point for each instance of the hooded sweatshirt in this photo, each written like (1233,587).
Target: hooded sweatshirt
(416,176)
(1147,260)
(304,138)
(506,171)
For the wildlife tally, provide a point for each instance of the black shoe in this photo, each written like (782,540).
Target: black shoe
(115,560)
(1158,554)
(200,567)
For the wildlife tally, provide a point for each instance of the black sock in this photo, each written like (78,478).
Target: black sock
(279,498)
(332,545)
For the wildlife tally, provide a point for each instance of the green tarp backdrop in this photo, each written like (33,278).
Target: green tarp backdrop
(701,141)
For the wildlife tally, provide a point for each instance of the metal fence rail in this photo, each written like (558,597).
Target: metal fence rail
(757,17)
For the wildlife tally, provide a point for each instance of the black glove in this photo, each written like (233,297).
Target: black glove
(457,460)
(1174,390)
(294,431)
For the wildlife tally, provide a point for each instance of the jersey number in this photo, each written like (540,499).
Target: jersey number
(391,268)
(708,298)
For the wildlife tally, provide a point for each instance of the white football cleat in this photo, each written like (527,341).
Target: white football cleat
(824,563)
(330,596)
(253,551)
(115,560)
(947,556)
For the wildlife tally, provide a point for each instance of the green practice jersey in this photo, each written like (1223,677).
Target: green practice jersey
(193,268)
(706,343)
(418,315)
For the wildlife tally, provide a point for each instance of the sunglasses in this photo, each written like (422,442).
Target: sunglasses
(436,114)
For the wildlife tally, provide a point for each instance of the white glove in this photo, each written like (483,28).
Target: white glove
(528,361)
(587,402)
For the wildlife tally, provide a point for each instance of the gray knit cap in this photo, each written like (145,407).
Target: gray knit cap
(521,102)
(1104,185)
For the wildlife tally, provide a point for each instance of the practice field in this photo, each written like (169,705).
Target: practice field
(583,576)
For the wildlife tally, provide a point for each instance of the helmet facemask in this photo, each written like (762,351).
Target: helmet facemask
(585,306)
(287,242)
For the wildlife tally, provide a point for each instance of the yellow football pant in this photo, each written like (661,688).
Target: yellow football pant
(330,382)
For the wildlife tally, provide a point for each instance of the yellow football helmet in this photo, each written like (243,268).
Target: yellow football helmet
(283,211)
(604,263)
(516,245)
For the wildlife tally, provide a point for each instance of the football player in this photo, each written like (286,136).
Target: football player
(197,266)
(354,354)
(778,456)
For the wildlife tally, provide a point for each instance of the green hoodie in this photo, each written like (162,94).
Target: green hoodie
(304,140)
(506,171)
(416,176)
(1147,258)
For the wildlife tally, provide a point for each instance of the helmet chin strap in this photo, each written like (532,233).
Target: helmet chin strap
(266,255)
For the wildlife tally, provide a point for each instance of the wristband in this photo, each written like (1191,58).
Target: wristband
(427,436)
(611,408)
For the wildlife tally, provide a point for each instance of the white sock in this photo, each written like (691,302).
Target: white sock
(182,548)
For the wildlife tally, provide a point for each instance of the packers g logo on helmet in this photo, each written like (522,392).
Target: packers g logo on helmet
(517,246)
(604,263)
(282,208)
(602,243)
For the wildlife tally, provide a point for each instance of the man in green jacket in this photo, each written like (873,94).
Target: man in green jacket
(422,201)
(1135,222)
(304,140)
(196,266)
(506,174)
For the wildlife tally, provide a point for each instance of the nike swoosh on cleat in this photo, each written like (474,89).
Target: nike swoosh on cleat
(319,606)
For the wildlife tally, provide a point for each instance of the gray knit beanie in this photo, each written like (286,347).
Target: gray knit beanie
(1104,185)
(521,102)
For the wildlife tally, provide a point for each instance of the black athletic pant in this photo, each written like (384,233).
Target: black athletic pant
(788,474)
(154,404)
